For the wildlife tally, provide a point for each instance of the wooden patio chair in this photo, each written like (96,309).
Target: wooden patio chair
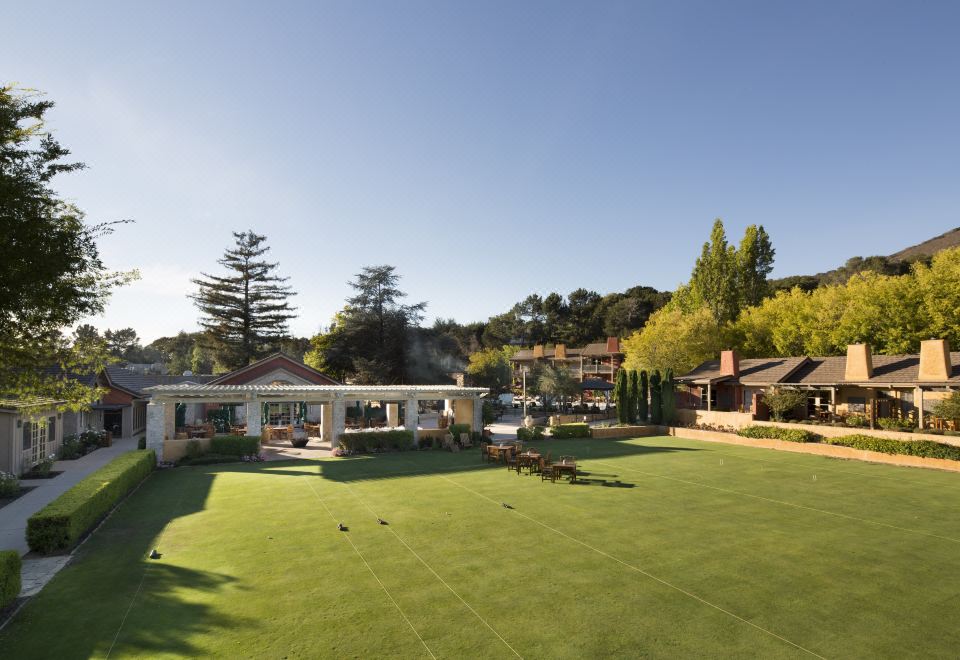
(547,471)
(465,440)
(484,451)
(512,459)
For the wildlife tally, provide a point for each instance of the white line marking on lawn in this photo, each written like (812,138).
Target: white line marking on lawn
(785,503)
(374,574)
(430,568)
(641,571)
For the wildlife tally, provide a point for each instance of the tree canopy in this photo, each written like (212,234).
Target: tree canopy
(51,273)
(244,313)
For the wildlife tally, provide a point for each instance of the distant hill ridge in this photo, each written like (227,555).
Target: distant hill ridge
(894,264)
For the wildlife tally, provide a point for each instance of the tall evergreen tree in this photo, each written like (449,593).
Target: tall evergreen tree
(754,264)
(621,396)
(642,407)
(656,398)
(714,279)
(668,401)
(245,312)
(633,394)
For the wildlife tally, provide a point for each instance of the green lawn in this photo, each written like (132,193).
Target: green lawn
(669,548)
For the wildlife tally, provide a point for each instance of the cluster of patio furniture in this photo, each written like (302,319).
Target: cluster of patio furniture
(195,431)
(512,455)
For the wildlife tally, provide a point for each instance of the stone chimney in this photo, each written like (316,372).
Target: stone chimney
(935,363)
(613,345)
(560,352)
(729,364)
(538,351)
(859,363)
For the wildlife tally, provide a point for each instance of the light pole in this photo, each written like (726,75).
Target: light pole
(524,372)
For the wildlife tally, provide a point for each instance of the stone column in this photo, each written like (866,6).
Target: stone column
(477,415)
(393,414)
(326,422)
(411,417)
(448,410)
(338,422)
(463,412)
(253,417)
(159,413)
(918,403)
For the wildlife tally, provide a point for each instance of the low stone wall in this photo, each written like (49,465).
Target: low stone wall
(174,450)
(837,431)
(611,432)
(833,451)
(579,417)
(735,420)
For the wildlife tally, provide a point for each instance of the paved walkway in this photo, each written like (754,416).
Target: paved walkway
(13,517)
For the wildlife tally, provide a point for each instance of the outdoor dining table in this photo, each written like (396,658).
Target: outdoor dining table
(496,451)
(569,467)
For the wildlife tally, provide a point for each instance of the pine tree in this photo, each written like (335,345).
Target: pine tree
(668,403)
(245,312)
(642,407)
(621,396)
(656,400)
(754,263)
(633,393)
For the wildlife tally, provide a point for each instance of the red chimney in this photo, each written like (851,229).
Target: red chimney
(729,364)
(613,345)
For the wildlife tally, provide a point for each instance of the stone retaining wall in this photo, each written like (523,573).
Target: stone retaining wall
(833,451)
(611,432)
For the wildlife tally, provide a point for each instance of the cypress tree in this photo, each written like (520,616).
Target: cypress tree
(633,394)
(656,408)
(244,312)
(642,407)
(668,398)
(621,396)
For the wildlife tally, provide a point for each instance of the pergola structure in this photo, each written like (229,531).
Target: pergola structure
(332,400)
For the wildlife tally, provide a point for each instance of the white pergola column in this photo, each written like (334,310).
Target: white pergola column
(161,424)
(448,409)
(709,397)
(326,422)
(411,416)
(918,402)
(393,414)
(338,422)
(253,417)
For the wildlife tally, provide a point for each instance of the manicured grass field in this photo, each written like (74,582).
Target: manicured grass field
(669,548)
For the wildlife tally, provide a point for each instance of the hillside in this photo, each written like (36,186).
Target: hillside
(930,247)
(894,264)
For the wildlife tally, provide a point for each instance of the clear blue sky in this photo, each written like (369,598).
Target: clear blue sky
(493,149)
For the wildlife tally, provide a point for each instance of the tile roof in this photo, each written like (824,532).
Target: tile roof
(752,370)
(135,382)
(598,348)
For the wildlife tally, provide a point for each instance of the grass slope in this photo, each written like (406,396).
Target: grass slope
(669,548)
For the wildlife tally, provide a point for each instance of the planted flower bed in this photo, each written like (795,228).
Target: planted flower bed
(919,448)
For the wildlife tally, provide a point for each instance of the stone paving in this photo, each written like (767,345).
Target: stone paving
(37,572)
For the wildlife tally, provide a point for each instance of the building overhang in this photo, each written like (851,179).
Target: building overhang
(310,393)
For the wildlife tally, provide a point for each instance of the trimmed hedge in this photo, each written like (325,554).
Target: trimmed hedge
(235,445)
(457,429)
(530,435)
(364,441)
(209,459)
(9,577)
(572,430)
(63,522)
(778,433)
(922,448)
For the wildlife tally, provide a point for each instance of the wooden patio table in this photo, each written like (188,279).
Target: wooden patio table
(569,467)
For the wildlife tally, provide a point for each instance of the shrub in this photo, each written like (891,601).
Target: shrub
(574,430)
(374,441)
(778,433)
(855,420)
(891,424)
(530,435)
(456,429)
(9,576)
(142,442)
(194,449)
(71,448)
(209,459)
(9,484)
(235,445)
(63,522)
(923,448)
(783,401)
(43,468)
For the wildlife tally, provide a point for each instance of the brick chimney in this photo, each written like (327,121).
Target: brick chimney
(935,363)
(538,351)
(729,364)
(613,345)
(560,351)
(859,363)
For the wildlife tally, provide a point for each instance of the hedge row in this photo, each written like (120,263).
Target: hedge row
(363,441)
(9,576)
(235,445)
(530,435)
(572,430)
(778,433)
(921,448)
(63,522)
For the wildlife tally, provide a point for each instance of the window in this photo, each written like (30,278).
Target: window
(703,397)
(857,404)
